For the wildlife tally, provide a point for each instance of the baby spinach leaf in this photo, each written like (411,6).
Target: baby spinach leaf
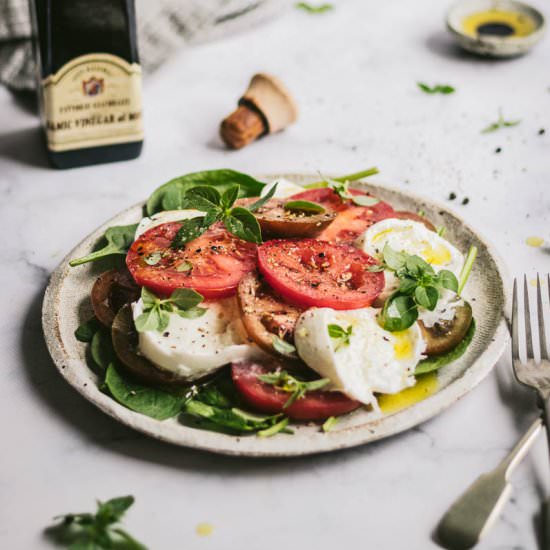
(85,332)
(147,400)
(170,196)
(101,348)
(437,361)
(118,240)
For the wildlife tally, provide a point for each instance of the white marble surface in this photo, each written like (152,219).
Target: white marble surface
(354,72)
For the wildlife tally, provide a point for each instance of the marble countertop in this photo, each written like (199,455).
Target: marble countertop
(354,73)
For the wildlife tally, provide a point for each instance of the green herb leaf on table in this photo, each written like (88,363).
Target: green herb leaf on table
(86,531)
(172,194)
(85,332)
(284,381)
(147,400)
(314,9)
(340,334)
(431,364)
(444,89)
(306,207)
(155,315)
(500,123)
(118,240)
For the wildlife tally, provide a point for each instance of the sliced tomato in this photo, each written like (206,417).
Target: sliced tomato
(351,220)
(213,264)
(310,273)
(314,405)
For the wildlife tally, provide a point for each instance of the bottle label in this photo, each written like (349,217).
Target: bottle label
(93,100)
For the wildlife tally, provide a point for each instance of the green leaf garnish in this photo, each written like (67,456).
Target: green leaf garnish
(156,311)
(242,223)
(86,531)
(500,123)
(153,259)
(306,207)
(171,195)
(101,348)
(315,9)
(184,266)
(467,269)
(340,334)
(118,240)
(275,429)
(284,381)
(282,346)
(189,231)
(85,332)
(437,89)
(329,423)
(356,176)
(261,201)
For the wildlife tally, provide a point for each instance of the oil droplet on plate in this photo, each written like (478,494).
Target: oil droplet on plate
(425,386)
(535,241)
(204,529)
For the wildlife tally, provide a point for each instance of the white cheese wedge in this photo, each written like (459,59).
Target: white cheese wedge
(285,188)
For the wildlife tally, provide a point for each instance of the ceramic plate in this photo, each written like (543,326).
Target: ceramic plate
(67,304)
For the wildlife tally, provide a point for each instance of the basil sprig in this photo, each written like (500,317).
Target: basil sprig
(282,380)
(305,207)
(444,89)
(341,188)
(99,530)
(419,285)
(220,208)
(340,334)
(118,240)
(156,311)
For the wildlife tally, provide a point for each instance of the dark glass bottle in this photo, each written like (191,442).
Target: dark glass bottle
(89,80)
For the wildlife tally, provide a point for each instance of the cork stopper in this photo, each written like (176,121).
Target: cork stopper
(266,107)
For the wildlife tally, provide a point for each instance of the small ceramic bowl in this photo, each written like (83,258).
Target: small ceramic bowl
(493,45)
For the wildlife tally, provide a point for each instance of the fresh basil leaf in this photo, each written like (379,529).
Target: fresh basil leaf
(184,266)
(112,510)
(282,346)
(153,259)
(275,429)
(101,348)
(336,331)
(146,400)
(192,313)
(310,8)
(118,240)
(392,258)
(448,280)
(148,298)
(437,361)
(426,296)
(128,542)
(407,285)
(261,201)
(399,313)
(329,423)
(148,320)
(416,266)
(229,197)
(170,196)
(202,198)
(364,200)
(304,206)
(375,268)
(85,332)
(242,223)
(186,298)
(437,89)
(163,320)
(190,230)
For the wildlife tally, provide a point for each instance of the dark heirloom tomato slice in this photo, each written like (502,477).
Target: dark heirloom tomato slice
(351,219)
(315,405)
(309,273)
(213,264)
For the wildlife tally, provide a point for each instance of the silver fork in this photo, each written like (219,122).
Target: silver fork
(530,372)
(476,510)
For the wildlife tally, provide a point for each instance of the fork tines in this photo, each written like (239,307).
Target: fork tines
(527,349)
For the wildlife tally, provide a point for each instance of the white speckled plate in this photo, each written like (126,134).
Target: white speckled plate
(66,304)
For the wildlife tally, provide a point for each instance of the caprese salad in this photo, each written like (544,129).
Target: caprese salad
(240,306)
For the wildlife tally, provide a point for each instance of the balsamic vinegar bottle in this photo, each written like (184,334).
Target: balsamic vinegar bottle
(89,80)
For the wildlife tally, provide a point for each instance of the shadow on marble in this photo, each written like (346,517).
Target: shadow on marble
(25,147)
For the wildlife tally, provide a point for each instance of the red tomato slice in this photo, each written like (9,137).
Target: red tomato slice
(351,220)
(309,272)
(215,262)
(315,405)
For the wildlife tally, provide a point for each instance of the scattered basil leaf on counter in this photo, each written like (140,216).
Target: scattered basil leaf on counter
(304,206)
(340,334)
(437,89)
(118,240)
(500,123)
(85,332)
(431,364)
(155,316)
(171,195)
(101,348)
(99,531)
(329,423)
(147,400)
(314,9)
(282,346)
(284,381)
